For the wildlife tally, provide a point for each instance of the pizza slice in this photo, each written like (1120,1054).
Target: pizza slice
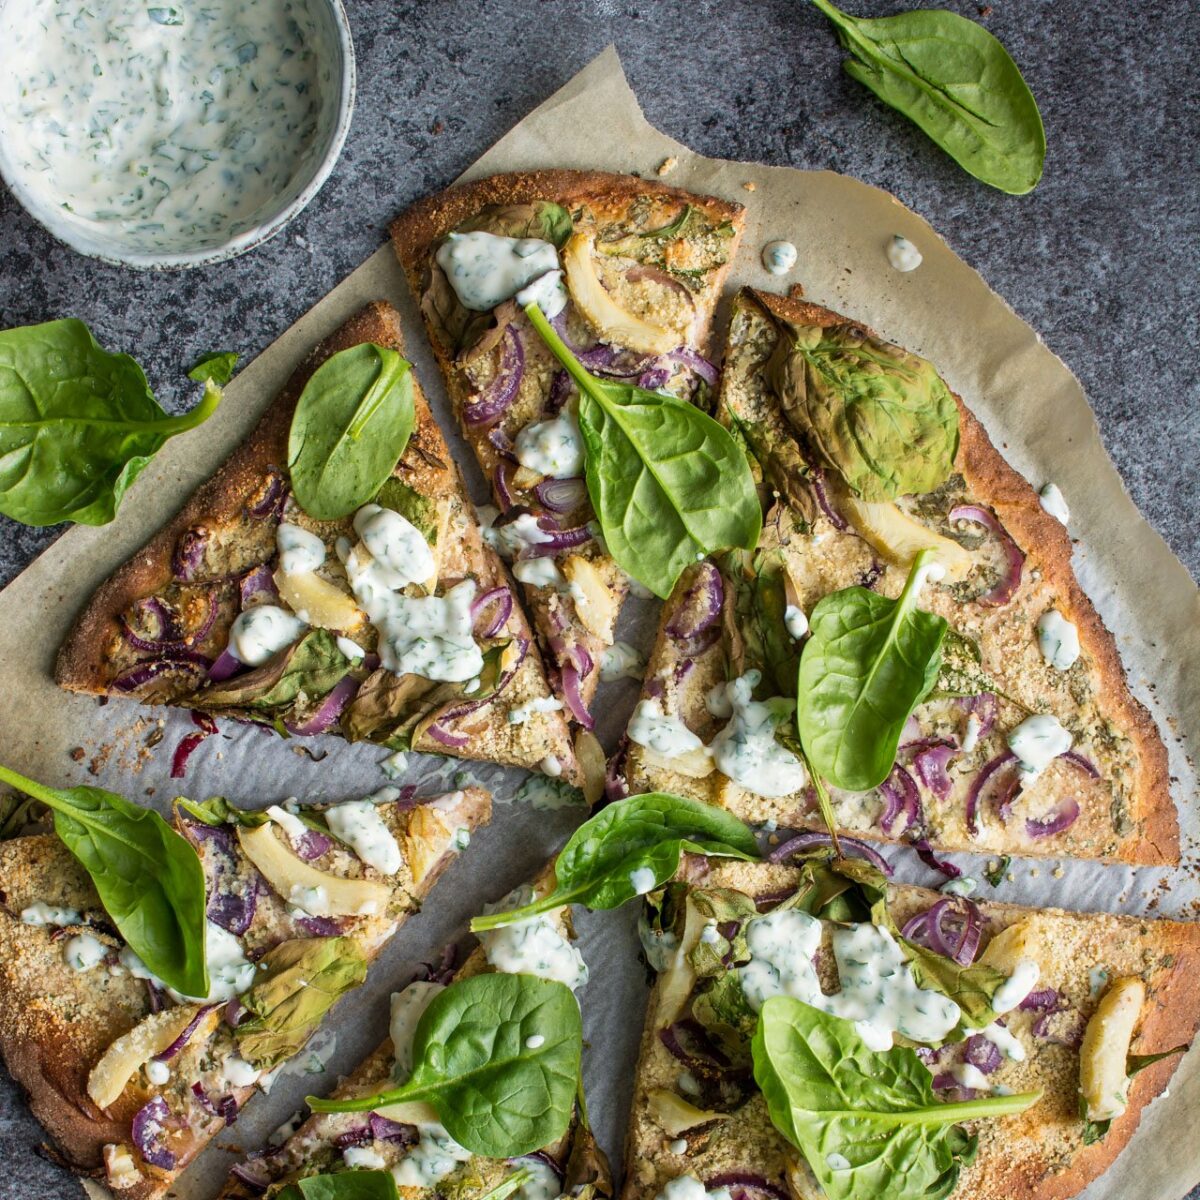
(643,266)
(973,702)
(131,1078)
(390,623)
(815,1032)
(404,1144)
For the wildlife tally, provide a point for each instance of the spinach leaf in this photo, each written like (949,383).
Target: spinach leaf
(879,416)
(995,875)
(754,623)
(667,483)
(495,1094)
(342,1185)
(77,424)
(420,511)
(834,1099)
(216,810)
(351,425)
(149,879)
(313,665)
(217,366)
(868,663)
(299,982)
(630,848)
(956,82)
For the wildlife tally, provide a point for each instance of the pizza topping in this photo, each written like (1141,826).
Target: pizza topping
(1103,1078)
(621,661)
(553,448)
(669,739)
(358,824)
(41,913)
(399,551)
(1036,742)
(261,632)
(485,269)
(430,636)
(688,1187)
(533,946)
(300,550)
(879,993)
(746,749)
(1058,640)
(407,1008)
(1010,578)
(84,951)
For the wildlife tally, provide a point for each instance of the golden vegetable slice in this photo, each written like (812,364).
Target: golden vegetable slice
(590,756)
(675,1115)
(695,764)
(317,892)
(595,604)
(429,837)
(318,602)
(1103,1082)
(150,1036)
(611,322)
(898,538)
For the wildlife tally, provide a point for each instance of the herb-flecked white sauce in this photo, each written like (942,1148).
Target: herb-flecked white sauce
(179,125)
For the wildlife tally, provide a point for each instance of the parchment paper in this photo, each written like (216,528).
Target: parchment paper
(1032,406)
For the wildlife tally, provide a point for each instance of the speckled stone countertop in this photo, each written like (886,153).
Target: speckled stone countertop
(1101,258)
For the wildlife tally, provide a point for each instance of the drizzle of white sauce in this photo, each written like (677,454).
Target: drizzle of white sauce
(300,550)
(669,736)
(1054,503)
(779,257)
(485,269)
(621,661)
(1058,640)
(746,749)
(259,633)
(1037,742)
(359,825)
(553,448)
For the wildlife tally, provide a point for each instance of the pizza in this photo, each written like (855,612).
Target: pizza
(1027,741)
(244,569)
(642,266)
(130,1079)
(800,1011)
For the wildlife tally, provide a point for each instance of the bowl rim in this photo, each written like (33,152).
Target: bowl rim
(249,239)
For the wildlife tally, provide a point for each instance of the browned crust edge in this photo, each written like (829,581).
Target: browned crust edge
(1156,842)
(49,1070)
(80,664)
(1173,1021)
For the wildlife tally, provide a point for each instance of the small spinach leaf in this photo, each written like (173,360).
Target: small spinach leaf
(217,366)
(955,81)
(630,848)
(148,878)
(495,1094)
(995,874)
(755,622)
(351,425)
(668,484)
(840,1103)
(868,663)
(342,1185)
(77,424)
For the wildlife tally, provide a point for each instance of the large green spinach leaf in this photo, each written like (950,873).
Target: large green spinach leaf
(313,665)
(342,1185)
(630,848)
(867,1122)
(955,81)
(77,424)
(351,425)
(148,878)
(869,661)
(880,417)
(299,982)
(667,483)
(495,1093)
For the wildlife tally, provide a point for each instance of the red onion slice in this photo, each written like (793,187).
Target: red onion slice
(383,1129)
(743,1185)
(930,765)
(560,390)
(169,625)
(189,551)
(653,379)
(224,667)
(945,1082)
(501,597)
(182,662)
(502,443)
(546,1159)
(150,1122)
(466,707)
(320,926)
(312,844)
(271,499)
(234,910)
(1042,1000)
(975,794)
(254,1175)
(1002,593)
(835,518)
(850,846)
(700,607)
(615,362)
(952,928)
(901,800)
(202,1099)
(328,711)
(1062,816)
(562,495)
(559,539)
(185,1036)
(573,698)
(926,855)
(502,389)
(985,707)
(258,582)
(455,741)
(696,362)
(688,1043)
(616,787)
(187,746)
(501,487)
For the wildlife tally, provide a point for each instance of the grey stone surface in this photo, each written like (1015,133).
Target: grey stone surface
(1101,258)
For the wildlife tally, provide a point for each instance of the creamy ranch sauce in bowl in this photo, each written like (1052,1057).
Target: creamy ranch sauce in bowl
(171,134)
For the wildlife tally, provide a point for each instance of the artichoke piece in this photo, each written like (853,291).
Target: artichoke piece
(1010,945)
(882,418)
(897,537)
(612,323)
(1103,1081)
(317,892)
(303,978)
(150,1036)
(430,836)
(695,764)
(324,604)
(592,762)
(675,1116)
(595,606)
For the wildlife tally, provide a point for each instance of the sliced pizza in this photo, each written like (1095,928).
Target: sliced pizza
(909,630)
(815,1032)
(132,1078)
(406,1140)
(642,266)
(379,615)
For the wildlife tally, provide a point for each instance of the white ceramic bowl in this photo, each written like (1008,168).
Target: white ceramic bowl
(314,163)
